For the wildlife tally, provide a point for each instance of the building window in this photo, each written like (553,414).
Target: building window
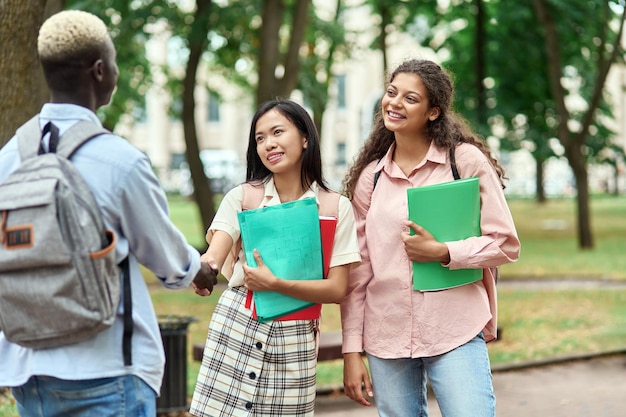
(176,109)
(214,108)
(341,91)
(341,154)
(139,114)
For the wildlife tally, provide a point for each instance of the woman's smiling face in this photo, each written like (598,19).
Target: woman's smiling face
(405,105)
(279,143)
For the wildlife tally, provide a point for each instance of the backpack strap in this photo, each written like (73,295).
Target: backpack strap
(329,203)
(377,175)
(29,138)
(253,194)
(128,314)
(455,171)
(77,135)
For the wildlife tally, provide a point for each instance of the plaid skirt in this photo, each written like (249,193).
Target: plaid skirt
(255,369)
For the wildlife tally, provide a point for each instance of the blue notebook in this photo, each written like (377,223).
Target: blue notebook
(288,238)
(449,211)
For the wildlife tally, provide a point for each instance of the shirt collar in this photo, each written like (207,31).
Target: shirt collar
(435,154)
(66,111)
(271,194)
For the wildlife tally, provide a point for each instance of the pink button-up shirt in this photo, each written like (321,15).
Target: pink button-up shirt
(382,314)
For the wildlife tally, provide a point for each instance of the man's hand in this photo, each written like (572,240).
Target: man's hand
(204,280)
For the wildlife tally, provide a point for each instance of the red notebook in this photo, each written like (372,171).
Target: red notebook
(328,225)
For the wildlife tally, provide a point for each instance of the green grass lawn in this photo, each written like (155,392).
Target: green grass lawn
(550,243)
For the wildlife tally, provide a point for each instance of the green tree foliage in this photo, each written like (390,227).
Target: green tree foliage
(523,103)
(404,15)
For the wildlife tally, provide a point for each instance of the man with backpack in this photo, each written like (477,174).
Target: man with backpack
(117,369)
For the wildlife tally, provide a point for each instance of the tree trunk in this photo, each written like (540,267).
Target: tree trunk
(318,119)
(21,82)
(197,42)
(382,41)
(578,164)
(319,106)
(270,87)
(573,149)
(541,192)
(481,109)
(292,58)
(273,11)
(615,179)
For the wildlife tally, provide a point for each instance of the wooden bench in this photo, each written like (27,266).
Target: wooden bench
(330,347)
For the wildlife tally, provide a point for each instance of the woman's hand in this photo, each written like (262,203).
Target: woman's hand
(259,278)
(422,246)
(356,378)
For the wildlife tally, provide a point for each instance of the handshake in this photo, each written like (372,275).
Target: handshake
(205,279)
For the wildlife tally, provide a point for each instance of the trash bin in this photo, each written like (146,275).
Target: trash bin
(174,331)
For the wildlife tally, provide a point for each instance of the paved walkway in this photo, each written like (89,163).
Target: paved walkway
(583,386)
(577,387)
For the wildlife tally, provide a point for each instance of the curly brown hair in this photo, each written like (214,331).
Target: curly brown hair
(448,130)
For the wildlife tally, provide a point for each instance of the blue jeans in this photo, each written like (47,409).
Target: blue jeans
(461,381)
(124,396)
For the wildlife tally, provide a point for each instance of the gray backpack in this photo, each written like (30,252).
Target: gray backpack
(59,282)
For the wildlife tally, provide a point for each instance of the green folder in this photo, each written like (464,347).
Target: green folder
(288,238)
(449,211)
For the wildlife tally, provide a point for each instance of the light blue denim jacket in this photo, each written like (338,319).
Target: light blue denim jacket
(134,206)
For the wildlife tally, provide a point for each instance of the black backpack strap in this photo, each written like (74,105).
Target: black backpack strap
(377,174)
(128,314)
(54,138)
(376,177)
(455,172)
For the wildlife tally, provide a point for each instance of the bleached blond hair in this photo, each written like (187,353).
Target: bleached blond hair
(71,34)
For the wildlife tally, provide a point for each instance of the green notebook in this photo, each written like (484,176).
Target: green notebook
(288,238)
(449,211)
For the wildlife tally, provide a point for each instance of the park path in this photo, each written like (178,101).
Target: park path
(593,386)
